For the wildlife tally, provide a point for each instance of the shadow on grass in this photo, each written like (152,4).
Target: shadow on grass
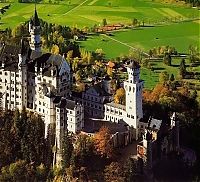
(158,68)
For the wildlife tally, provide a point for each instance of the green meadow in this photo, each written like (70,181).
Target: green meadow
(178,35)
(82,13)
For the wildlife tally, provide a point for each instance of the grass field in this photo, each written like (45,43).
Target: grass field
(89,12)
(151,78)
(179,35)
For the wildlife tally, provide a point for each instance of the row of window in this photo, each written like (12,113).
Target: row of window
(130,116)
(113,111)
(92,105)
(92,98)
(12,102)
(111,118)
(12,81)
(67,111)
(12,74)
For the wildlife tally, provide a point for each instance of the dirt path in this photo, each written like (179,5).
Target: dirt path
(75,7)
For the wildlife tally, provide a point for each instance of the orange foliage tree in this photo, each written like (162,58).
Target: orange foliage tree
(103,142)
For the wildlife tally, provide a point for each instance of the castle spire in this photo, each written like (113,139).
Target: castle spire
(35,19)
(35,29)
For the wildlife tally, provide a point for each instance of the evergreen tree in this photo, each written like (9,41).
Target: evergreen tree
(167,59)
(172,78)
(67,148)
(182,68)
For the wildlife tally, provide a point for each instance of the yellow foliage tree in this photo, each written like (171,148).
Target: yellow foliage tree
(119,97)
(55,49)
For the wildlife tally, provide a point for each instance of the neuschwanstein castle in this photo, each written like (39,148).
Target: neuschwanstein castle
(42,83)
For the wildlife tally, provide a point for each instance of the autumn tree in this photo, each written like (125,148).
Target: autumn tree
(119,96)
(55,49)
(163,77)
(103,142)
(114,173)
(109,71)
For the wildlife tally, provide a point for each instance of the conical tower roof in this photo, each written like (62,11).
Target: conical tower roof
(35,19)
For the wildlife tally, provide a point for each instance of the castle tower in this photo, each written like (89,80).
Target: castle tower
(22,67)
(34,30)
(175,126)
(133,88)
(148,159)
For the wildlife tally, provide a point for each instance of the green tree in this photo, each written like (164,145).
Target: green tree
(172,78)
(182,68)
(104,22)
(167,59)
(134,22)
(67,149)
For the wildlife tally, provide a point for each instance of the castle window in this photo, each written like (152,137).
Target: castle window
(0,73)
(17,75)
(6,73)
(132,116)
(129,88)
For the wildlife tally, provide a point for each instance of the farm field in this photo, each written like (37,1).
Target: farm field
(83,13)
(178,35)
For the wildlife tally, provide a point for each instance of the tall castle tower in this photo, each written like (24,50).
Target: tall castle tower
(22,67)
(34,30)
(133,88)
